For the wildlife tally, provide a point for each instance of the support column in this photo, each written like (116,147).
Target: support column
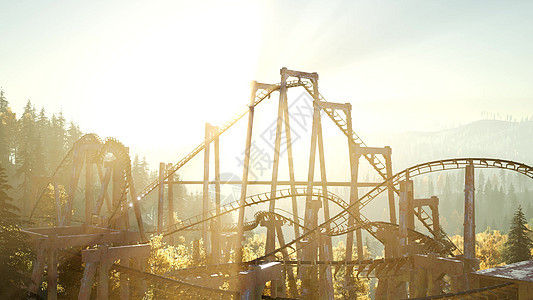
(124,281)
(170,197)
(103,275)
(205,193)
(215,231)
(118,181)
(104,181)
(270,238)
(390,185)
(58,202)
(246,165)
(37,272)
(88,190)
(77,165)
(283,93)
(52,268)
(354,155)
(309,253)
(469,222)
(87,281)
(160,197)
(406,210)
(326,278)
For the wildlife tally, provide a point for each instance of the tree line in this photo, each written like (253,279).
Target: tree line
(32,145)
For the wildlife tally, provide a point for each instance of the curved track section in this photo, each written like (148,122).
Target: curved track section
(121,154)
(437,166)
(254,200)
(90,139)
(339,222)
(425,242)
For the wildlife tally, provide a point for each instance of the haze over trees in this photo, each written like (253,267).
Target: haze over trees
(33,144)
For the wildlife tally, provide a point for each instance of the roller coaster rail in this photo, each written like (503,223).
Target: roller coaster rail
(91,151)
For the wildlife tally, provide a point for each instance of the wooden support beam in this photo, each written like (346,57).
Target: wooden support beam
(87,281)
(170,196)
(160,197)
(124,279)
(58,202)
(271,231)
(103,191)
(215,238)
(406,220)
(292,180)
(89,201)
(335,106)
(88,239)
(103,274)
(390,185)
(77,165)
(325,247)
(354,155)
(245,171)
(52,269)
(280,183)
(311,210)
(292,73)
(111,254)
(205,193)
(68,230)
(252,282)
(37,272)
(469,215)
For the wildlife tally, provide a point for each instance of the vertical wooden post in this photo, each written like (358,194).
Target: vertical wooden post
(246,164)
(296,225)
(326,246)
(390,185)
(88,190)
(406,210)
(77,165)
(136,207)
(170,196)
(205,194)
(124,281)
(311,206)
(469,222)
(52,268)
(118,181)
(270,238)
(37,272)
(160,198)
(354,153)
(103,274)
(58,202)
(87,281)
(215,237)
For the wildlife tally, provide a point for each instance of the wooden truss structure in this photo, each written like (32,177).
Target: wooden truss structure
(415,264)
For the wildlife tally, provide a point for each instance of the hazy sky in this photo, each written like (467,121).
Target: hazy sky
(151,73)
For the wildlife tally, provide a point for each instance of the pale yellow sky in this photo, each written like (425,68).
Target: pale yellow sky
(151,73)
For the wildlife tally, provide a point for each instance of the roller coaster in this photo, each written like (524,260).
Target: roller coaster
(415,264)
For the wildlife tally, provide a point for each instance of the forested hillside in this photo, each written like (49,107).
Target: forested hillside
(498,192)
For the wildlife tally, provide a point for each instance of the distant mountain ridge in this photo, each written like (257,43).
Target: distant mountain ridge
(483,138)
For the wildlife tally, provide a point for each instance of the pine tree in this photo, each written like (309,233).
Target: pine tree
(14,255)
(73,134)
(8,129)
(517,248)
(25,158)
